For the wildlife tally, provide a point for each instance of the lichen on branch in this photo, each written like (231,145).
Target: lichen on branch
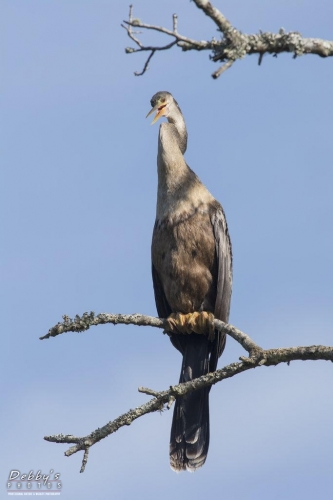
(233,44)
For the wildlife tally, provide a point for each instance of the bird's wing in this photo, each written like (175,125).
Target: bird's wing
(162,305)
(224,278)
(164,310)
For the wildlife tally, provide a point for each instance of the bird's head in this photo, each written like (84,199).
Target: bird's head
(165,105)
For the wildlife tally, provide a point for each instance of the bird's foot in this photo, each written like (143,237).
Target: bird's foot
(197,322)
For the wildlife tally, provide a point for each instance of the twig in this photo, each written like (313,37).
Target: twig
(137,73)
(222,69)
(244,340)
(150,392)
(175,23)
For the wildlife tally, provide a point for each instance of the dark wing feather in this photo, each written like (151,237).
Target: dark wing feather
(164,310)
(224,279)
(162,305)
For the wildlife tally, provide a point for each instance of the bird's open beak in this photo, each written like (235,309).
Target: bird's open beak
(161,110)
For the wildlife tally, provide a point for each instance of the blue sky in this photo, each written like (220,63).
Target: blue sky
(78,194)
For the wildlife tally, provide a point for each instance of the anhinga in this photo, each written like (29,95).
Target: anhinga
(192,273)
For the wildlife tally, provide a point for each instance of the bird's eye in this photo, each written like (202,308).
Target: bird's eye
(163,99)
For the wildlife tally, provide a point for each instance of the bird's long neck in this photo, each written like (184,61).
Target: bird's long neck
(172,170)
(180,192)
(178,131)
(172,144)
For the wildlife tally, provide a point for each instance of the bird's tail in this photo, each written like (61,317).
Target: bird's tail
(189,439)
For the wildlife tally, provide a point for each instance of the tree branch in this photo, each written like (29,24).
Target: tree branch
(84,322)
(257,357)
(233,45)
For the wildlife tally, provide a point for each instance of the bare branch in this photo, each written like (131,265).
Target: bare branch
(155,404)
(222,69)
(149,392)
(194,44)
(84,322)
(222,22)
(175,23)
(258,357)
(129,24)
(244,340)
(85,459)
(233,44)
(137,73)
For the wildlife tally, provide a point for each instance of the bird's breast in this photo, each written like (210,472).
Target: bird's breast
(183,252)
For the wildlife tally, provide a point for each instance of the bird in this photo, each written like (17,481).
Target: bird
(192,278)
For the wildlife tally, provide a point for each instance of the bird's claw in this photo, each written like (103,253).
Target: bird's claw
(197,322)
